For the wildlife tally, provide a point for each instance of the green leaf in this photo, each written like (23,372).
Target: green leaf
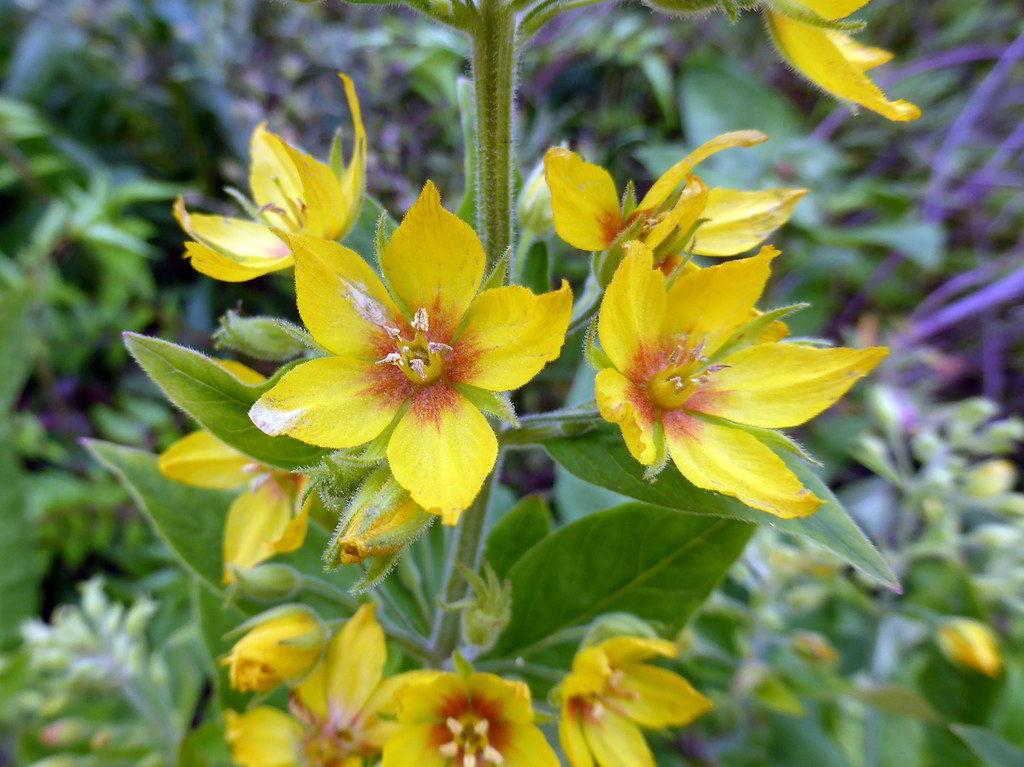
(994,750)
(535,269)
(651,562)
(363,236)
(217,400)
(599,457)
(215,620)
(524,525)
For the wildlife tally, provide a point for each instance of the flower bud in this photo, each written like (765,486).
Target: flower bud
(926,445)
(381,519)
(884,404)
(815,647)
(267,582)
(1012,503)
(615,625)
(264,338)
(280,645)
(974,411)
(490,610)
(970,644)
(1002,436)
(989,478)
(64,732)
(535,212)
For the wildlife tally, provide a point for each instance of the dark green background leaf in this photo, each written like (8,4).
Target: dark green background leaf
(525,524)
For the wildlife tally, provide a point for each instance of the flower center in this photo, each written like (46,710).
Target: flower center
(469,745)
(685,372)
(421,361)
(329,747)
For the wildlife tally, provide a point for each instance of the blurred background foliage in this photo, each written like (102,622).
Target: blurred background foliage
(910,237)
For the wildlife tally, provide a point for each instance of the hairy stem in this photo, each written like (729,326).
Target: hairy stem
(494,74)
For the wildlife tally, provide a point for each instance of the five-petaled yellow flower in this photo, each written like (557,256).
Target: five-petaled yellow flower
(336,711)
(830,58)
(479,720)
(611,693)
(677,383)
(293,193)
(405,365)
(269,517)
(588,214)
(281,645)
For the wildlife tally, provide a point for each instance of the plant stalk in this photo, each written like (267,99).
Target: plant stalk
(494,74)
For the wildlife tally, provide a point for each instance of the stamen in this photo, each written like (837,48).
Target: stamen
(492,755)
(596,709)
(420,367)
(469,760)
(480,728)
(454,725)
(420,321)
(449,749)
(393,332)
(436,347)
(392,359)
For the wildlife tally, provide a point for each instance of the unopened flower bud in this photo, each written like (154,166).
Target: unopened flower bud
(815,647)
(535,212)
(264,338)
(970,644)
(489,611)
(990,478)
(871,451)
(974,411)
(64,732)
(280,645)
(1002,436)
(267,582)
(616,625)
(926,445)
(380,520)
(995,536)
(1011,503)
(887,409)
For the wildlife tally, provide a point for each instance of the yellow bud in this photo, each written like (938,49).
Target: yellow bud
(815,647)
(535,211)
(280,645)
(990,478)
(970,644)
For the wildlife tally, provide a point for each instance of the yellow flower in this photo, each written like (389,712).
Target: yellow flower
(280,646)
(479,720)
(293,193)
(337,709)
(415,363)
(611,693)
(830,58)
(971,644)
(268,517)
(588,215)
(687,378)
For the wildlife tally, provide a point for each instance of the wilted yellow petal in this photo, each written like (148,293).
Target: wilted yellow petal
(625,403)
(673,177)
(434,261)
(442,450)
(632,309)
(732,462)
(202,460)
(342,300)
(778,384)
(331,402)
(740,220)
(510,334)
(261,522)
(583,200)
(813,52)
(353,178)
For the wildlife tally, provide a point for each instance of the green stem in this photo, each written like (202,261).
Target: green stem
(534,429)
(465,549)
(494,72)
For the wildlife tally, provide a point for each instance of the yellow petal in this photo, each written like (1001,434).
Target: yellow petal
(778,385)
(617,742)
(243,373)
(264,737)
(583,200)
(574,743)
(526,746)
(632,309)
(281,647)
(510,698)
(422,699)
(813,52)
(310,697)
(626,649)
(259,524)
(623,402)
(341,299)
(708,303)
(687,210)
(248,245)
(355,664)
(331,402)
(740,220)
(673,177)
(326,211)
(382,706)
(353,178)
(971,644)
(864,57)
(510,334)
(655,697)
(202,460)
(834,9)
(442,450)
(221,267)
(732,462)
(413,746)
(274,179)
(434,261)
